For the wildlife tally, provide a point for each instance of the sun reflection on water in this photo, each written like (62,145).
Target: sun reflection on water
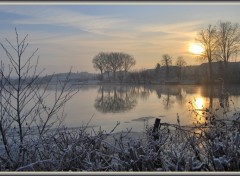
(199,106)
(199,103)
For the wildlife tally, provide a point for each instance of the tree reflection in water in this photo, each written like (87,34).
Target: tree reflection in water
(181,96)
(168,101)
(114,99)
(122,98)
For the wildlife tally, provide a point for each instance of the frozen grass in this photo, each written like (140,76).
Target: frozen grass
(210,146)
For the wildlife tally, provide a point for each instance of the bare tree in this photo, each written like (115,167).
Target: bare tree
(157,66)
(129,61)
(26,115)
(99,62)
(166,61)
(180,63)
(115,62)
(207,38)
(228,42)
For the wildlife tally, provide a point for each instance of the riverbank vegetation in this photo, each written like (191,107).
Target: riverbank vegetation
(26,121)
(211,144)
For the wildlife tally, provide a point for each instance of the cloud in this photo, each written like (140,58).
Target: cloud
(50,15)
(67,37)
(181,29)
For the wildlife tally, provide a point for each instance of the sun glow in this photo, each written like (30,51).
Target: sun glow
(199,103)
(196,48)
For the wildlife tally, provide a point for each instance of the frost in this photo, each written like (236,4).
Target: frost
(218,164)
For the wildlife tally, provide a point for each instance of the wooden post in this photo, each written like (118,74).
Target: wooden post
(156,129)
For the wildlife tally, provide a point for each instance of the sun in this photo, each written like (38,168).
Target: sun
(196,48)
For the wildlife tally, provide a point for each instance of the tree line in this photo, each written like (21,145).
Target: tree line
(113,62)
(120,62)
(167,62)
(221,42)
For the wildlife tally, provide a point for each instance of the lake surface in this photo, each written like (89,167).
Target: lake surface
(130,105)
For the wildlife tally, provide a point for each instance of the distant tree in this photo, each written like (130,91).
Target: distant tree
(107,66)
(228,42)
(207,38)
(166,61)
(145,76)
(99,63)
(134,77)
(157,70)
(157,66)
(120,76)
(180,63)
(129,61)
(115,62)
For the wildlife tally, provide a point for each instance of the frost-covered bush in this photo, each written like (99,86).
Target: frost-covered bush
(172,147)
(27,111)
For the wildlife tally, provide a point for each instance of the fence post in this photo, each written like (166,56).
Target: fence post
(156,129)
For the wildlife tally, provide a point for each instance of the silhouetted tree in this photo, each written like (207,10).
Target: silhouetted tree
(157,66)
(207,38)
(115,62)
(166,61)
(228,42)
(129,61)
(180,63)
(120,76)
(99,62)
(107,67)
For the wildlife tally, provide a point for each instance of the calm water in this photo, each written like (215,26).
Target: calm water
(128,104)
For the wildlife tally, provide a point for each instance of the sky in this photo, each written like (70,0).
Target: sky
(70,35)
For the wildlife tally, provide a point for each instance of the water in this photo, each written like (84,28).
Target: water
(136,106)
